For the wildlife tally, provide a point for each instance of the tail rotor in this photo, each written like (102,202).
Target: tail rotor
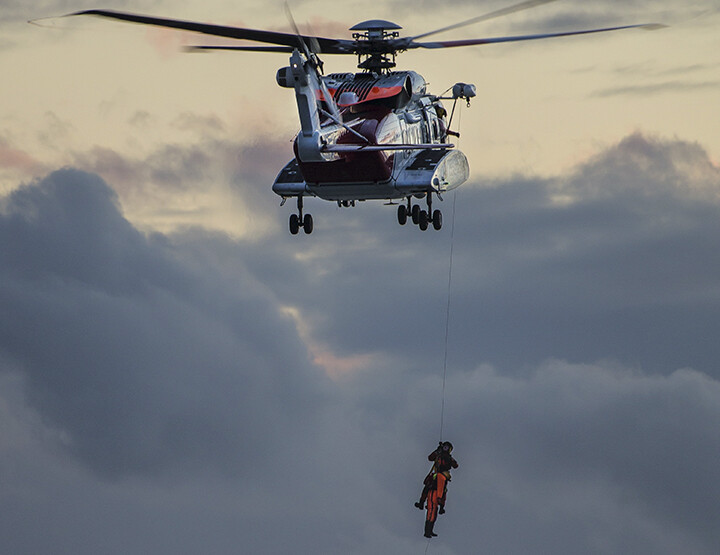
(311,54)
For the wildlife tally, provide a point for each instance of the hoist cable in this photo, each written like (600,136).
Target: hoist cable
(447,315)
(449,289)
(447,325)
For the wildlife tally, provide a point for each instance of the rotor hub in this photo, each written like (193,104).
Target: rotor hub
(374,44)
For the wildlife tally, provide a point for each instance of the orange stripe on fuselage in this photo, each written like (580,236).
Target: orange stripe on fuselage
(374,93)
(383,92)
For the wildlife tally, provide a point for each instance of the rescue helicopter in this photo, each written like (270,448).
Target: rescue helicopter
(373,134)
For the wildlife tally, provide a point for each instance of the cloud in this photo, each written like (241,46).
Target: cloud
(182,379)
(555,16)
(571,458)
(212,178)
(621,256)
(16,160)
(613,459)
(658,87)
(658,80)
(104,324)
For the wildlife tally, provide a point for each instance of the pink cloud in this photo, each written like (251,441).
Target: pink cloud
(14,158)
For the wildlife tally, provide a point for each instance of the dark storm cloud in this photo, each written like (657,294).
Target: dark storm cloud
(571,458)
(614,460)
(144,363)
(582,392)
(618,259)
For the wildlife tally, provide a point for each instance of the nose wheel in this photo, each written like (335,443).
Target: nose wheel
(421,218)
(299,220)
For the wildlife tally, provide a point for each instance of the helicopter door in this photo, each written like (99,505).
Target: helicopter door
(426,126)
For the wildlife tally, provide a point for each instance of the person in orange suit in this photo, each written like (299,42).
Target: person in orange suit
(435,490)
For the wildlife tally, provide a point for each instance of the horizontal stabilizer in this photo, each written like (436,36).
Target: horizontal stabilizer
(378,148)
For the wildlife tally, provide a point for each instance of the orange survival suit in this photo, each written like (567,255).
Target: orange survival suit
(435,485)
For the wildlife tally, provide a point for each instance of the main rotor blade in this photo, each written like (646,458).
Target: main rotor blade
(492,15)
(286,49)
(327,46)
(471,42)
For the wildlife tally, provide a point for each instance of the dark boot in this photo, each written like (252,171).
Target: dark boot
(420,505)
(429,529)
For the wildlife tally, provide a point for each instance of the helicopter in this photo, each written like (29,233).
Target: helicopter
(374,134)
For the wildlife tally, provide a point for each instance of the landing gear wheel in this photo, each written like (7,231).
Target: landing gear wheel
(415,213)
(294,224)
(307,224)
(437,220)
(402,214)
(423,220)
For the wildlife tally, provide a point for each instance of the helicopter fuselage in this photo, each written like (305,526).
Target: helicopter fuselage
(390,143)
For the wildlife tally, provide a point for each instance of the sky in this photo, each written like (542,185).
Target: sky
(179,374)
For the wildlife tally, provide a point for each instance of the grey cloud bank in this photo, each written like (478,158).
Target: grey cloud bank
(156,396)
(109,329)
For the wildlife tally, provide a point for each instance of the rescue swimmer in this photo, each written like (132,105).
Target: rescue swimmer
(435,485)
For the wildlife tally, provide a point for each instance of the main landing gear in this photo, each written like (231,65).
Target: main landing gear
(298,220)
(421,218)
